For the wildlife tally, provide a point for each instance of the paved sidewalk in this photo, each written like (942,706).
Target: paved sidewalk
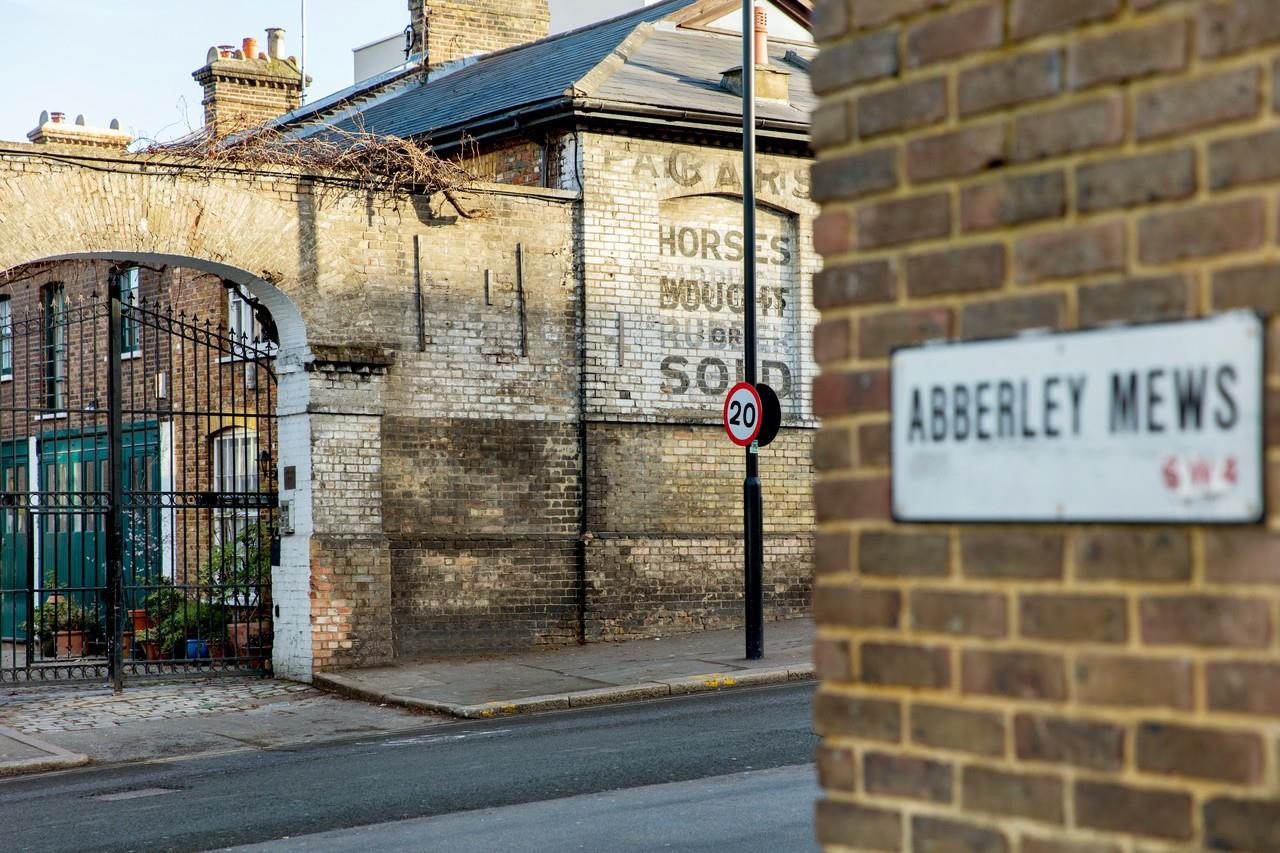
(595,674)
(50,727)
(58,726)
(21,753)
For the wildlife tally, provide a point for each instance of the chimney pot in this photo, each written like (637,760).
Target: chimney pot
(226,51)
(57,118)
(275,43)
(762,36)
(250,47)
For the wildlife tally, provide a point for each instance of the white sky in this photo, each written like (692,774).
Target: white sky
(132,59)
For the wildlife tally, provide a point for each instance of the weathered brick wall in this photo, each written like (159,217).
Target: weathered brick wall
(521,163)
(480,440)
(661,248)
(440,393)
(988,167)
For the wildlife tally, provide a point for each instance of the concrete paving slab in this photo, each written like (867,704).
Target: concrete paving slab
(22,753)
(597,673)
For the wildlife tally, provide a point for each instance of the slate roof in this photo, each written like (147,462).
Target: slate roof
(636,61)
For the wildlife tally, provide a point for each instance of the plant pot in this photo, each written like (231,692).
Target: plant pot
(217,649)
(69,644)
(126,645)
(197,649)
(238,638)
(141,620)
(152,649)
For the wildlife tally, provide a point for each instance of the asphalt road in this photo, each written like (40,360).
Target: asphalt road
(483,768)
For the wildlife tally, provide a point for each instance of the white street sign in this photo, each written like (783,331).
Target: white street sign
(742,414)
(1154,423)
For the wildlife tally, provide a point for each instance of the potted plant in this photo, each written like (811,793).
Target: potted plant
(238,577)
(149,640)
(140,619)
(161,606)
(61,626)
(194,630)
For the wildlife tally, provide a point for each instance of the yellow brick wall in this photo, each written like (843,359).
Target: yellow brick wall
(985,167)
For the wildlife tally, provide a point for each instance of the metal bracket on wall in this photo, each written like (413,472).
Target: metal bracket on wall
(524,330)
(417,292)
(622,340)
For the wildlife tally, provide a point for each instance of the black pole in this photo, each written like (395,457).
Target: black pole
(115,496)
(752,497)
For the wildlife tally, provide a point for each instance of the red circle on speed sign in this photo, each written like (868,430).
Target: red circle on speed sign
(742,408)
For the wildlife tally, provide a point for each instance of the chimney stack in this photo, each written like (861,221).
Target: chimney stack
(54,130)
(762,36)
(458,29)
(245,87)
(275,43)
(771,84)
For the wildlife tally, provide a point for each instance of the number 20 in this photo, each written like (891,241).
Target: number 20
(742,414)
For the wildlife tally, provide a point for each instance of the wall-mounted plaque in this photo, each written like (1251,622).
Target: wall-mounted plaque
(1154,423)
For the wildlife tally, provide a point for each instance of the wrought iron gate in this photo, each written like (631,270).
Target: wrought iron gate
(137,490)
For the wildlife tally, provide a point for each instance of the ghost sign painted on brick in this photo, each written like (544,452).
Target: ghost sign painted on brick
(1157,423)
(700,246)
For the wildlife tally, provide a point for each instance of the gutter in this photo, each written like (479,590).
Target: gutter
(515,121)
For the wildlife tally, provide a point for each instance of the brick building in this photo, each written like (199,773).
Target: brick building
(53,387)
(613,533)
(503,429)
(987,168)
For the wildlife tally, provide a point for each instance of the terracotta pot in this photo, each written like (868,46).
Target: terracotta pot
(238,637)
(152,649)
(141,620)
(69,644)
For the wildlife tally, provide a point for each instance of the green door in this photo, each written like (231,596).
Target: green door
(143,542)
(73,498)
(74,484)
(14,590)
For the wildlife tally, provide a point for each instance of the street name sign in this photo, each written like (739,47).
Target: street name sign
(1153,423)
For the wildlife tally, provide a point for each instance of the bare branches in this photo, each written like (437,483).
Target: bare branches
(365,161)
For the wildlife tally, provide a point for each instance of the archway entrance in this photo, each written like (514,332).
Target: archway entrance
(139,513)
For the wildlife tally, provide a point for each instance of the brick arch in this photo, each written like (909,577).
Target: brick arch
(229,228)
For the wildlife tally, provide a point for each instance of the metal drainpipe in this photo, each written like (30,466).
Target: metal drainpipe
(584,534)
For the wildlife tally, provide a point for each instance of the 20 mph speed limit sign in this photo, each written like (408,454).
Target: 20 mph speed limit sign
(742,417)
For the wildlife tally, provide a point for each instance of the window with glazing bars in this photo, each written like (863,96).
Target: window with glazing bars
(53,299)
(6,338)
(129,338)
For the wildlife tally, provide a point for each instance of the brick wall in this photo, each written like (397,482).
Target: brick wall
(409,418)
(988,167)
(461,28)
(247,91)
(661,251)
(520,163)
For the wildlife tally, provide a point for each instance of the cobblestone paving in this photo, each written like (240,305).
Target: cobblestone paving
(67,709)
